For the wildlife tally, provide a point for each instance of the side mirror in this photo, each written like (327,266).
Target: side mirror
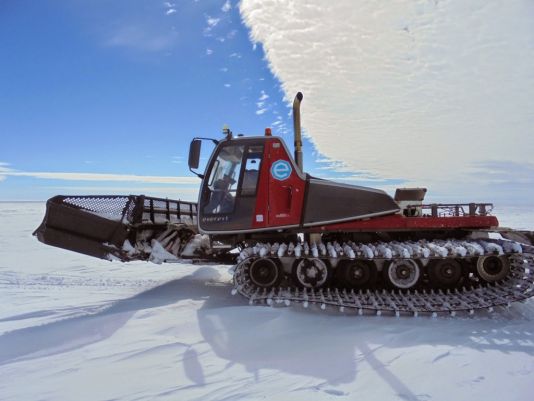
(194,153)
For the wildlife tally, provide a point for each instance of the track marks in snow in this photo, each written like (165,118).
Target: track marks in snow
(29,315)
(333,391)
(525,370)
(149,350)
(416,397)
(50,280)
(441,356)
(322,388)
(478,380)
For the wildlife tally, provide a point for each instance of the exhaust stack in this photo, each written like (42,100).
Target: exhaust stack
(297,130)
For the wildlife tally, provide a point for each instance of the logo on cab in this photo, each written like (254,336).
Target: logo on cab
(281,170)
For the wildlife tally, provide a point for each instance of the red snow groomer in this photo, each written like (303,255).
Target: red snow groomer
(294,237)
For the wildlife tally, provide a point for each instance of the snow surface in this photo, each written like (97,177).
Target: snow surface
(77,328)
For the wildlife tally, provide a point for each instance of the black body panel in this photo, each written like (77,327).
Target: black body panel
(329,202)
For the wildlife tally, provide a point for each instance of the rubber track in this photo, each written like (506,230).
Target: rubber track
(517,286)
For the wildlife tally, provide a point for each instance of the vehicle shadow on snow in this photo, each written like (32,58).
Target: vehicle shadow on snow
(332,346)
(77,332)
(326,345)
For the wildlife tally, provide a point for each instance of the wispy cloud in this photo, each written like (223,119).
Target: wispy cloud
(507,173)
(231,34)
(211,23)
(68,176)
(3,170)
(227,6)
(333,165)
(170,8)
(261,103)
(279,124)
(143,37)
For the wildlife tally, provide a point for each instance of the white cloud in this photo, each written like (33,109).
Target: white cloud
(67,176)
(410,90)
(227,85)
(170,8)
(4,170)
(334,166)
(209,52)
(212,22)
(231,34)
(261,103)
(227,6)
(143,37)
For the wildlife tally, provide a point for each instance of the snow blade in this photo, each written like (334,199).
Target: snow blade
(99,225)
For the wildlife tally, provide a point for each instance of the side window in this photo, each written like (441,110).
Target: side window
(251,172)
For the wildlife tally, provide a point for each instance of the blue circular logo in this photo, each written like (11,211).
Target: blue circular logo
(281,170)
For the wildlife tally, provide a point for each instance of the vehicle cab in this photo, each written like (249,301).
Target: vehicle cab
(250,183)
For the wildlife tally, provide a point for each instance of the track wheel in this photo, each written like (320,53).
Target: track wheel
(402,274)
(265,272)
(444,273)
(357,274)
(310,273)
(493,268)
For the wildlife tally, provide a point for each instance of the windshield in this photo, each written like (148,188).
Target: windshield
(223,179)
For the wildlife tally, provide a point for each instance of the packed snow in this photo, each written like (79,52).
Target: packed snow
(74,327)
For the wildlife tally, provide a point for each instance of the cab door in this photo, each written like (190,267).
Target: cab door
(286,187)
(229,190)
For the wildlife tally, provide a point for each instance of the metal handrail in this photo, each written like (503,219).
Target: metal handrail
(453,209)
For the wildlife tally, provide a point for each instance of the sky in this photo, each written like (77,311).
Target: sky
(104,97)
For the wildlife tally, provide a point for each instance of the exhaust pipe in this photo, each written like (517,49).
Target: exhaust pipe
(297,130)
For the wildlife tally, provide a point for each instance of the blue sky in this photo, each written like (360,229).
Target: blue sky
(119,88)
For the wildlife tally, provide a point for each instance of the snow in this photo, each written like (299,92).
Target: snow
(73,327)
